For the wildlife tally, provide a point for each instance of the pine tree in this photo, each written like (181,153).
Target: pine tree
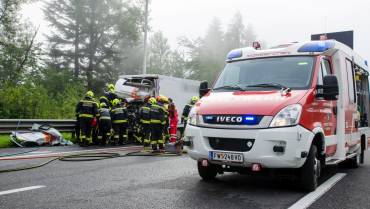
(89,36)
(159,54)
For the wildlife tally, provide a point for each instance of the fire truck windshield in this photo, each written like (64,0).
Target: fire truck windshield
(293,72)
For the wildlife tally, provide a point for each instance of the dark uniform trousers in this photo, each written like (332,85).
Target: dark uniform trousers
(85,126)
(120,132)
(86,110)
(156,126)
(119,118)
(144,115)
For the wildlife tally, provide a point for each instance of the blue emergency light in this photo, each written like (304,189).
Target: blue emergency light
(366,62)
(251,119)
(234,54)
(317,46)
(232,119)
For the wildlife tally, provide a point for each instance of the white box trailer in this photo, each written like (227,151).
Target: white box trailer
(137,87)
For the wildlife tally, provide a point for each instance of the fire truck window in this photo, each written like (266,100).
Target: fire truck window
(326,67)
(320,76)
(350,79)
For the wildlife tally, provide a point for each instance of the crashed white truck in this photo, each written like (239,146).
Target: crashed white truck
(134,88)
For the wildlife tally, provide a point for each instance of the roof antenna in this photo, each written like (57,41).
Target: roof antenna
(324,36)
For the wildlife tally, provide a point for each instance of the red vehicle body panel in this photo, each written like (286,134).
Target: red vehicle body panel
(248,102)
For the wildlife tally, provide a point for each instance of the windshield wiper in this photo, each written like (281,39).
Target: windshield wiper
(234,87)
(273,85)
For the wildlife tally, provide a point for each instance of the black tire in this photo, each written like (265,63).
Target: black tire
(362,154)
(207,173)
(311,170)
(355,161)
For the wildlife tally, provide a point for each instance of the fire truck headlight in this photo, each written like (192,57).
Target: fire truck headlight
(288,116)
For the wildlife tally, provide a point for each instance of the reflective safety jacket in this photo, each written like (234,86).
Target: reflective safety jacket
(105,100)
(166,114)
(104,114)
(111,96)
(119,115)
(186,111)
(156,114)
(144,114)
(87,108)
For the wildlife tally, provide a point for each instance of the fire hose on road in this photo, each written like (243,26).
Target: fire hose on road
(93,156)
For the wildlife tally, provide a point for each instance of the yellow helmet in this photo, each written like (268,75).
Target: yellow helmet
(115,102)
(102,105)
(90,94)
(194,99)
(164,99)
(111,87)
(152,100)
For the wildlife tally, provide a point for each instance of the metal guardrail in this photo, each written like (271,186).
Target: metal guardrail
(9,125)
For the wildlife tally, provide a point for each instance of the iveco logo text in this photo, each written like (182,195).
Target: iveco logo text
(222,119)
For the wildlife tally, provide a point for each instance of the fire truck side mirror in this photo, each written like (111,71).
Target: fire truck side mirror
(203,88)
(330,87)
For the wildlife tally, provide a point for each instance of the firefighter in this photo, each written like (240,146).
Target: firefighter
(104,99)
(187,108)
(119,117)
(173,121)
(111,95)
(156,130)
(86,110)
(163,102)
(104,124)
(144,115)
(77,128)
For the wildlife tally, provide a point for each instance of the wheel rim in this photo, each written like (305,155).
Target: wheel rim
(358,158)
(317,168)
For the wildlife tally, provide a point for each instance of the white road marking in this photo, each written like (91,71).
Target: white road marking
(311,197)
(21,189)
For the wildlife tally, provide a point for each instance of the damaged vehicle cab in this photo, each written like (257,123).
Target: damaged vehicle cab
(296,107)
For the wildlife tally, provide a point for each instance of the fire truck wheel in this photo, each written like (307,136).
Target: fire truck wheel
(355,161)
(311,170)
(207,173)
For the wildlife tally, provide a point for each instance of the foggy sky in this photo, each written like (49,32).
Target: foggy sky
(274,21)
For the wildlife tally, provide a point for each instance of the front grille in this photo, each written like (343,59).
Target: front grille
(231,144)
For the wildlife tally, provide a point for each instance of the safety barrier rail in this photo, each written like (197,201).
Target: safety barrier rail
(9,125)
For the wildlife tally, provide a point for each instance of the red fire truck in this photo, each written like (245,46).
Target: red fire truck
(296,107)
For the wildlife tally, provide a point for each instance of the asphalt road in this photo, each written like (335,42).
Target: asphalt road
(165,182)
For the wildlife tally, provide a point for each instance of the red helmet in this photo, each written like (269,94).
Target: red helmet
(146,99)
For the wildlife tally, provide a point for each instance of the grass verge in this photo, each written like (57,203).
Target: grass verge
(5,141)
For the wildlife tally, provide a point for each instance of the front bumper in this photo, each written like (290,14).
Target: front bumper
(296,140)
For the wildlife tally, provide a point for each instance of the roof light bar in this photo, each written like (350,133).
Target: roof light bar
(234,54)
(317,46)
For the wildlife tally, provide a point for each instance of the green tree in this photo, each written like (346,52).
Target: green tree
(18,50)
(237,34)
(159,54)
(90,34)
(205,56)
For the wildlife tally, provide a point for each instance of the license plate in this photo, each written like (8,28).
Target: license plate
(226,156)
